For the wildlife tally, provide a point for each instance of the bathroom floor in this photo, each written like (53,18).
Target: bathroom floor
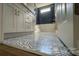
(50,44)
(45,42)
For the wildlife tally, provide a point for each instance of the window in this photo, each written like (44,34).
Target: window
(45,15)
(45,10)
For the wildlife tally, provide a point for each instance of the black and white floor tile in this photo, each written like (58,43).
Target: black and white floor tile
(46,42)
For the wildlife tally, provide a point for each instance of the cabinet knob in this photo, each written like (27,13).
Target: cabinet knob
(15,11)
(18,13)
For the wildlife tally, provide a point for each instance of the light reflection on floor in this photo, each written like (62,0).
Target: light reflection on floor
(45,50)
(49,43)
(45,42)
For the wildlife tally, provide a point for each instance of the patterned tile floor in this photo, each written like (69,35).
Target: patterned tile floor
(50,44)
(45,42)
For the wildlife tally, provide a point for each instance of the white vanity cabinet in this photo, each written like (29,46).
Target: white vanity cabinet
(20,21)
(29,25)
(16,18)
(8,18)
(32,23)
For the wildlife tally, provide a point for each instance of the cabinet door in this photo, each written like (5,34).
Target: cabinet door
(33,23)
(25,18)
(29,24)
(20,21)
(26,21)
(8,18)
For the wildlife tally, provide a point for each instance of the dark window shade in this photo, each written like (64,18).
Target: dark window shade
(47,17)
(76,9)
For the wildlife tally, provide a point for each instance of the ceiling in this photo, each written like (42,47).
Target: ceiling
(36,5)
(42,4)
(32,6)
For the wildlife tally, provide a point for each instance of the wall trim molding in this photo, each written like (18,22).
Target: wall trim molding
(16,34)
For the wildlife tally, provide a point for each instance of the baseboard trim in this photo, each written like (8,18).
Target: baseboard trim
(16,34)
